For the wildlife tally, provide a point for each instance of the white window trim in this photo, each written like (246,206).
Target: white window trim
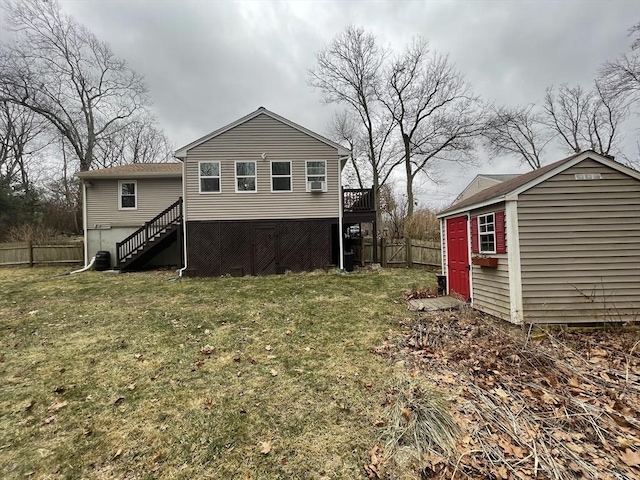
(306,176)
(219,177)
(255,176)
(290,176)
(495,238)
(135,183)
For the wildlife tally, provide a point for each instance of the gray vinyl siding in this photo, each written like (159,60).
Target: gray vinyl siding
(580,247)
(490,286)
(479,184)
(247,142)
(154,195)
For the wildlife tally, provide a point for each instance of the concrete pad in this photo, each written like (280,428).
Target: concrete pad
(434,304)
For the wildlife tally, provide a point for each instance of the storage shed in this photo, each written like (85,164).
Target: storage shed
(560,244)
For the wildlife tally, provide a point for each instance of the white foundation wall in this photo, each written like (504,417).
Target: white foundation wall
(100,239)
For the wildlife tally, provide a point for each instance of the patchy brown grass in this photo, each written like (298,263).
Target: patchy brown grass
(134,376)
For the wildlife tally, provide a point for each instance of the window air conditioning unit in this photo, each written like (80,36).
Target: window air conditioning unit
(316,186)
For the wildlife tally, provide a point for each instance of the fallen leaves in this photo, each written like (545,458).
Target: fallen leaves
(265,448)
(207,350)
(566,401)
(376,458)
(630,457)
(57,405)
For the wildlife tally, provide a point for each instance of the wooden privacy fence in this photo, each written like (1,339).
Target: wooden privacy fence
(393,252)
(30,254)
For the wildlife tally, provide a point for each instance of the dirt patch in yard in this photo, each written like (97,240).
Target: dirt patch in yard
(557,404)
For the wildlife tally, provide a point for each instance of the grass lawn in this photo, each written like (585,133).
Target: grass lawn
(135,376)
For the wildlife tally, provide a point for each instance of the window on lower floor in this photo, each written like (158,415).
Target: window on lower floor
(487,233)
(281,176)
(127,195)
(245,176)
(209,173)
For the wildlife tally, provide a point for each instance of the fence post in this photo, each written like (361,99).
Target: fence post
(383,251)
(30,247)
(361,250)
(409,254)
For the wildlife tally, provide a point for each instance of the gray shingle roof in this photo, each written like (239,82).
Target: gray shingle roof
(506,187)
(136,170)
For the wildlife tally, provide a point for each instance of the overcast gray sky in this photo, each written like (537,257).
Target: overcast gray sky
(208,63)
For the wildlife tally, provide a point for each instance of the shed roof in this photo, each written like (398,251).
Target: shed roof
(182,152)
(525,181)
(136,170)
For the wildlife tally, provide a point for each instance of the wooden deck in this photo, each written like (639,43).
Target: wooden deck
(434,304)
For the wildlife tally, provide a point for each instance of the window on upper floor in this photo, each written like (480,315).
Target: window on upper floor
(127,195)
(316,176)
(246,177)
(209,174)
(281,177)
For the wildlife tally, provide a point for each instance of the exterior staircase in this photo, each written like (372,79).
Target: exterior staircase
(152,238)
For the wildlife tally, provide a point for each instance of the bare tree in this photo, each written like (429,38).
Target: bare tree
(22,136)
(621,77)
(59,70)
(518,131)
(394,208)
(141,141)
(344,128)
(348,71)
(436,113)
(585,119)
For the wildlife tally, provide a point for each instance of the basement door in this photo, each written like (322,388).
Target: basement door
(458,257)
(265,249)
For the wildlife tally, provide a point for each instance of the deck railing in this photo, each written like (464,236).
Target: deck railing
(357,200)
(169,217)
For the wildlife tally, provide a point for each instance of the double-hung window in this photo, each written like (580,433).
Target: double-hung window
(316,176)
(245,176)
(127,195)
(209,173)
(281,177)
(487,233)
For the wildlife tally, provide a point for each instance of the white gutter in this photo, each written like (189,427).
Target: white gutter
(184,216)
(84,222)
(340,214)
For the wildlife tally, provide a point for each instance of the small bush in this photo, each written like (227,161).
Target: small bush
(33,233)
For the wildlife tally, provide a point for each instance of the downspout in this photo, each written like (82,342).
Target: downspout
(340,214)
(184,216)
(84,222)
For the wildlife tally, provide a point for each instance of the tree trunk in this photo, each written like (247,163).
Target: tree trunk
(378,221)
(407,166)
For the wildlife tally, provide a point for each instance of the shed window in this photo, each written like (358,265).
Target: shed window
(245,176)
(127,195)
(209,177)
(280,176)
(317,175)
(487,233)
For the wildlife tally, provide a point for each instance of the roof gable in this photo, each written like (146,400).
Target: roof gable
(182,152)
(522,183)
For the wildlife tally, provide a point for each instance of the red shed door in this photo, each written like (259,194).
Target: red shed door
(458,257)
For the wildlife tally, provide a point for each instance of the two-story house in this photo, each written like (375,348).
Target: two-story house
(261,195)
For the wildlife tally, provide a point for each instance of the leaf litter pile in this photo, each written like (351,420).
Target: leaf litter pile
(559,404)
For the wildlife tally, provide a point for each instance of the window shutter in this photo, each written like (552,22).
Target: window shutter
(501,245)
(474,235)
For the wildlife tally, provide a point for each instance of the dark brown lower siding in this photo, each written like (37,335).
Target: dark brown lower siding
(258,247)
